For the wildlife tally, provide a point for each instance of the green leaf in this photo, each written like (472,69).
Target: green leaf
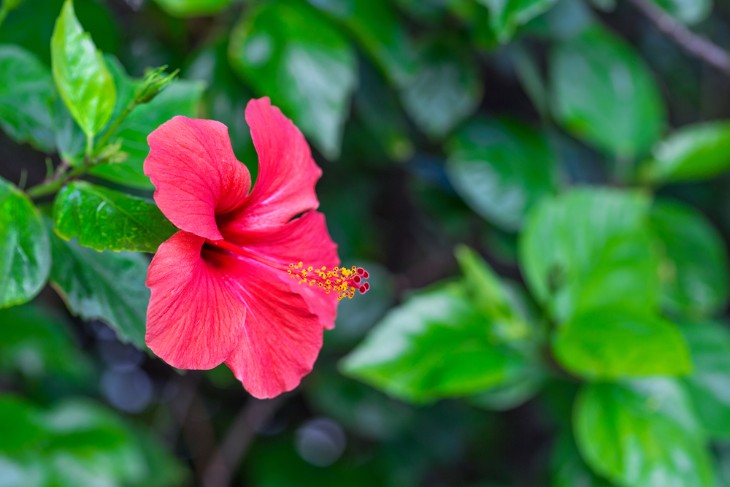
(434,345)
(109,286)
(288,51)
(693,152)
(94,442)
(31,26)
(642,434)
(382,116)
(568,468)
(484,284)
(19,423)
(104,219)
(77,443)
(70,139)
(506,15)
(508,319)
(25,255)
(590,248)
(26,98)
(38,345)
(687,11)
(694,268)
(508,323)
(501,168)
(604,94)
(380,33)
(521,387)
(445,89)
(708,386)
(179,98)
(81,76)
(614,343)
(192,8)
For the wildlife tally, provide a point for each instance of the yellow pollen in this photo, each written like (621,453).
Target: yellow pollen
(343,281)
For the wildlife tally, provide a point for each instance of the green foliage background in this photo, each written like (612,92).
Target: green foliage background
(537,187)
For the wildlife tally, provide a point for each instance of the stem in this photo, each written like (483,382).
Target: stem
(63,175)
(234,446)
(692,43)
(3,13)
(58,181)
(116,123)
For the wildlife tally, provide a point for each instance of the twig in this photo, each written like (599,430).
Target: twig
(239,438)
(692,43)
(193,420)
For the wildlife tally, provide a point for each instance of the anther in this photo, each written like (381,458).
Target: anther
(343,281)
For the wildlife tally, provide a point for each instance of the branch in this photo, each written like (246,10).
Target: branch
(692,43)
(239,438)
(193,421)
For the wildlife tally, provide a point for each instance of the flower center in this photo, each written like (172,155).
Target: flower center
(341,280)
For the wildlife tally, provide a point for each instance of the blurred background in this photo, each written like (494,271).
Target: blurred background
(436,123)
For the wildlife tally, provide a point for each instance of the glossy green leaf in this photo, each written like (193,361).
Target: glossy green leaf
(25,256)
(642,434)
(590,248)
(509,321)
(693,152)
(380,33)
(521,387)
(614,343)
(445,89)
(192,8)
(709,383)
(109,286)
(70,139)
(506,15)
(687,11)
(31,25)
(38,345)
(694,266)
(508,324)
(604,94)
(179,98)
(288,51)
(434,345)
(26,98)
(77,443)
(501,168)
(81,76)
(484,285)
(104,219)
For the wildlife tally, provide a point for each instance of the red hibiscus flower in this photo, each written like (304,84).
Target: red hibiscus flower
(251,278)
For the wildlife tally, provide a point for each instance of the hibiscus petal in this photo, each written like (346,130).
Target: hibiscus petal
(304,239)
(287,173)
(281,338)
(196,315)
(195,173)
